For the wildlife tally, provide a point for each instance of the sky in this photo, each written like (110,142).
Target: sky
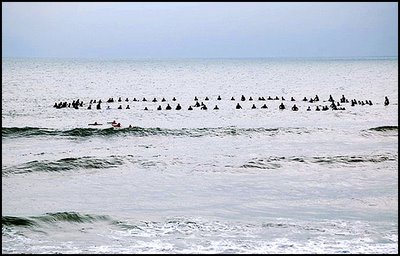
(199,29)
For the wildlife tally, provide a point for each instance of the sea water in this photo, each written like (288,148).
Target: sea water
(200,181)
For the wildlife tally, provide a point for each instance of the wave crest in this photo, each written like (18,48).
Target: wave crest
(65,164)
(8,221)
(384,128)
(18,132)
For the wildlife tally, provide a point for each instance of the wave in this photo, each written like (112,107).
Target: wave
(8,221)
(277,162)
(272,162)
(385,131)
(18,132)
(65,164)
(201,235)
(384,128)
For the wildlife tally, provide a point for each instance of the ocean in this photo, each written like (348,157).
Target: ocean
(250,180)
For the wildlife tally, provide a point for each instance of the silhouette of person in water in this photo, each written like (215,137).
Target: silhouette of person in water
(386,101)
(95,123)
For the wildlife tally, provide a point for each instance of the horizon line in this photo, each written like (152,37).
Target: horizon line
(176,58)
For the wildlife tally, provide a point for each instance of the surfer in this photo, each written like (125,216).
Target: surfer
(386,101)
(95,123)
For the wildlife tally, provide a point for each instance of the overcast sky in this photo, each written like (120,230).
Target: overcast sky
(199,30)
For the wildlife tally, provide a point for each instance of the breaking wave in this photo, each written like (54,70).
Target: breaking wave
(8,221)
(196,235)
(18,132)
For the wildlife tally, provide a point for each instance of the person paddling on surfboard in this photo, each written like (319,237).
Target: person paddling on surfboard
(95,123)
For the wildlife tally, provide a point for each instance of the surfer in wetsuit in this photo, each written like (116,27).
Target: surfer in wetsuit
(386,101)
(95,123)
